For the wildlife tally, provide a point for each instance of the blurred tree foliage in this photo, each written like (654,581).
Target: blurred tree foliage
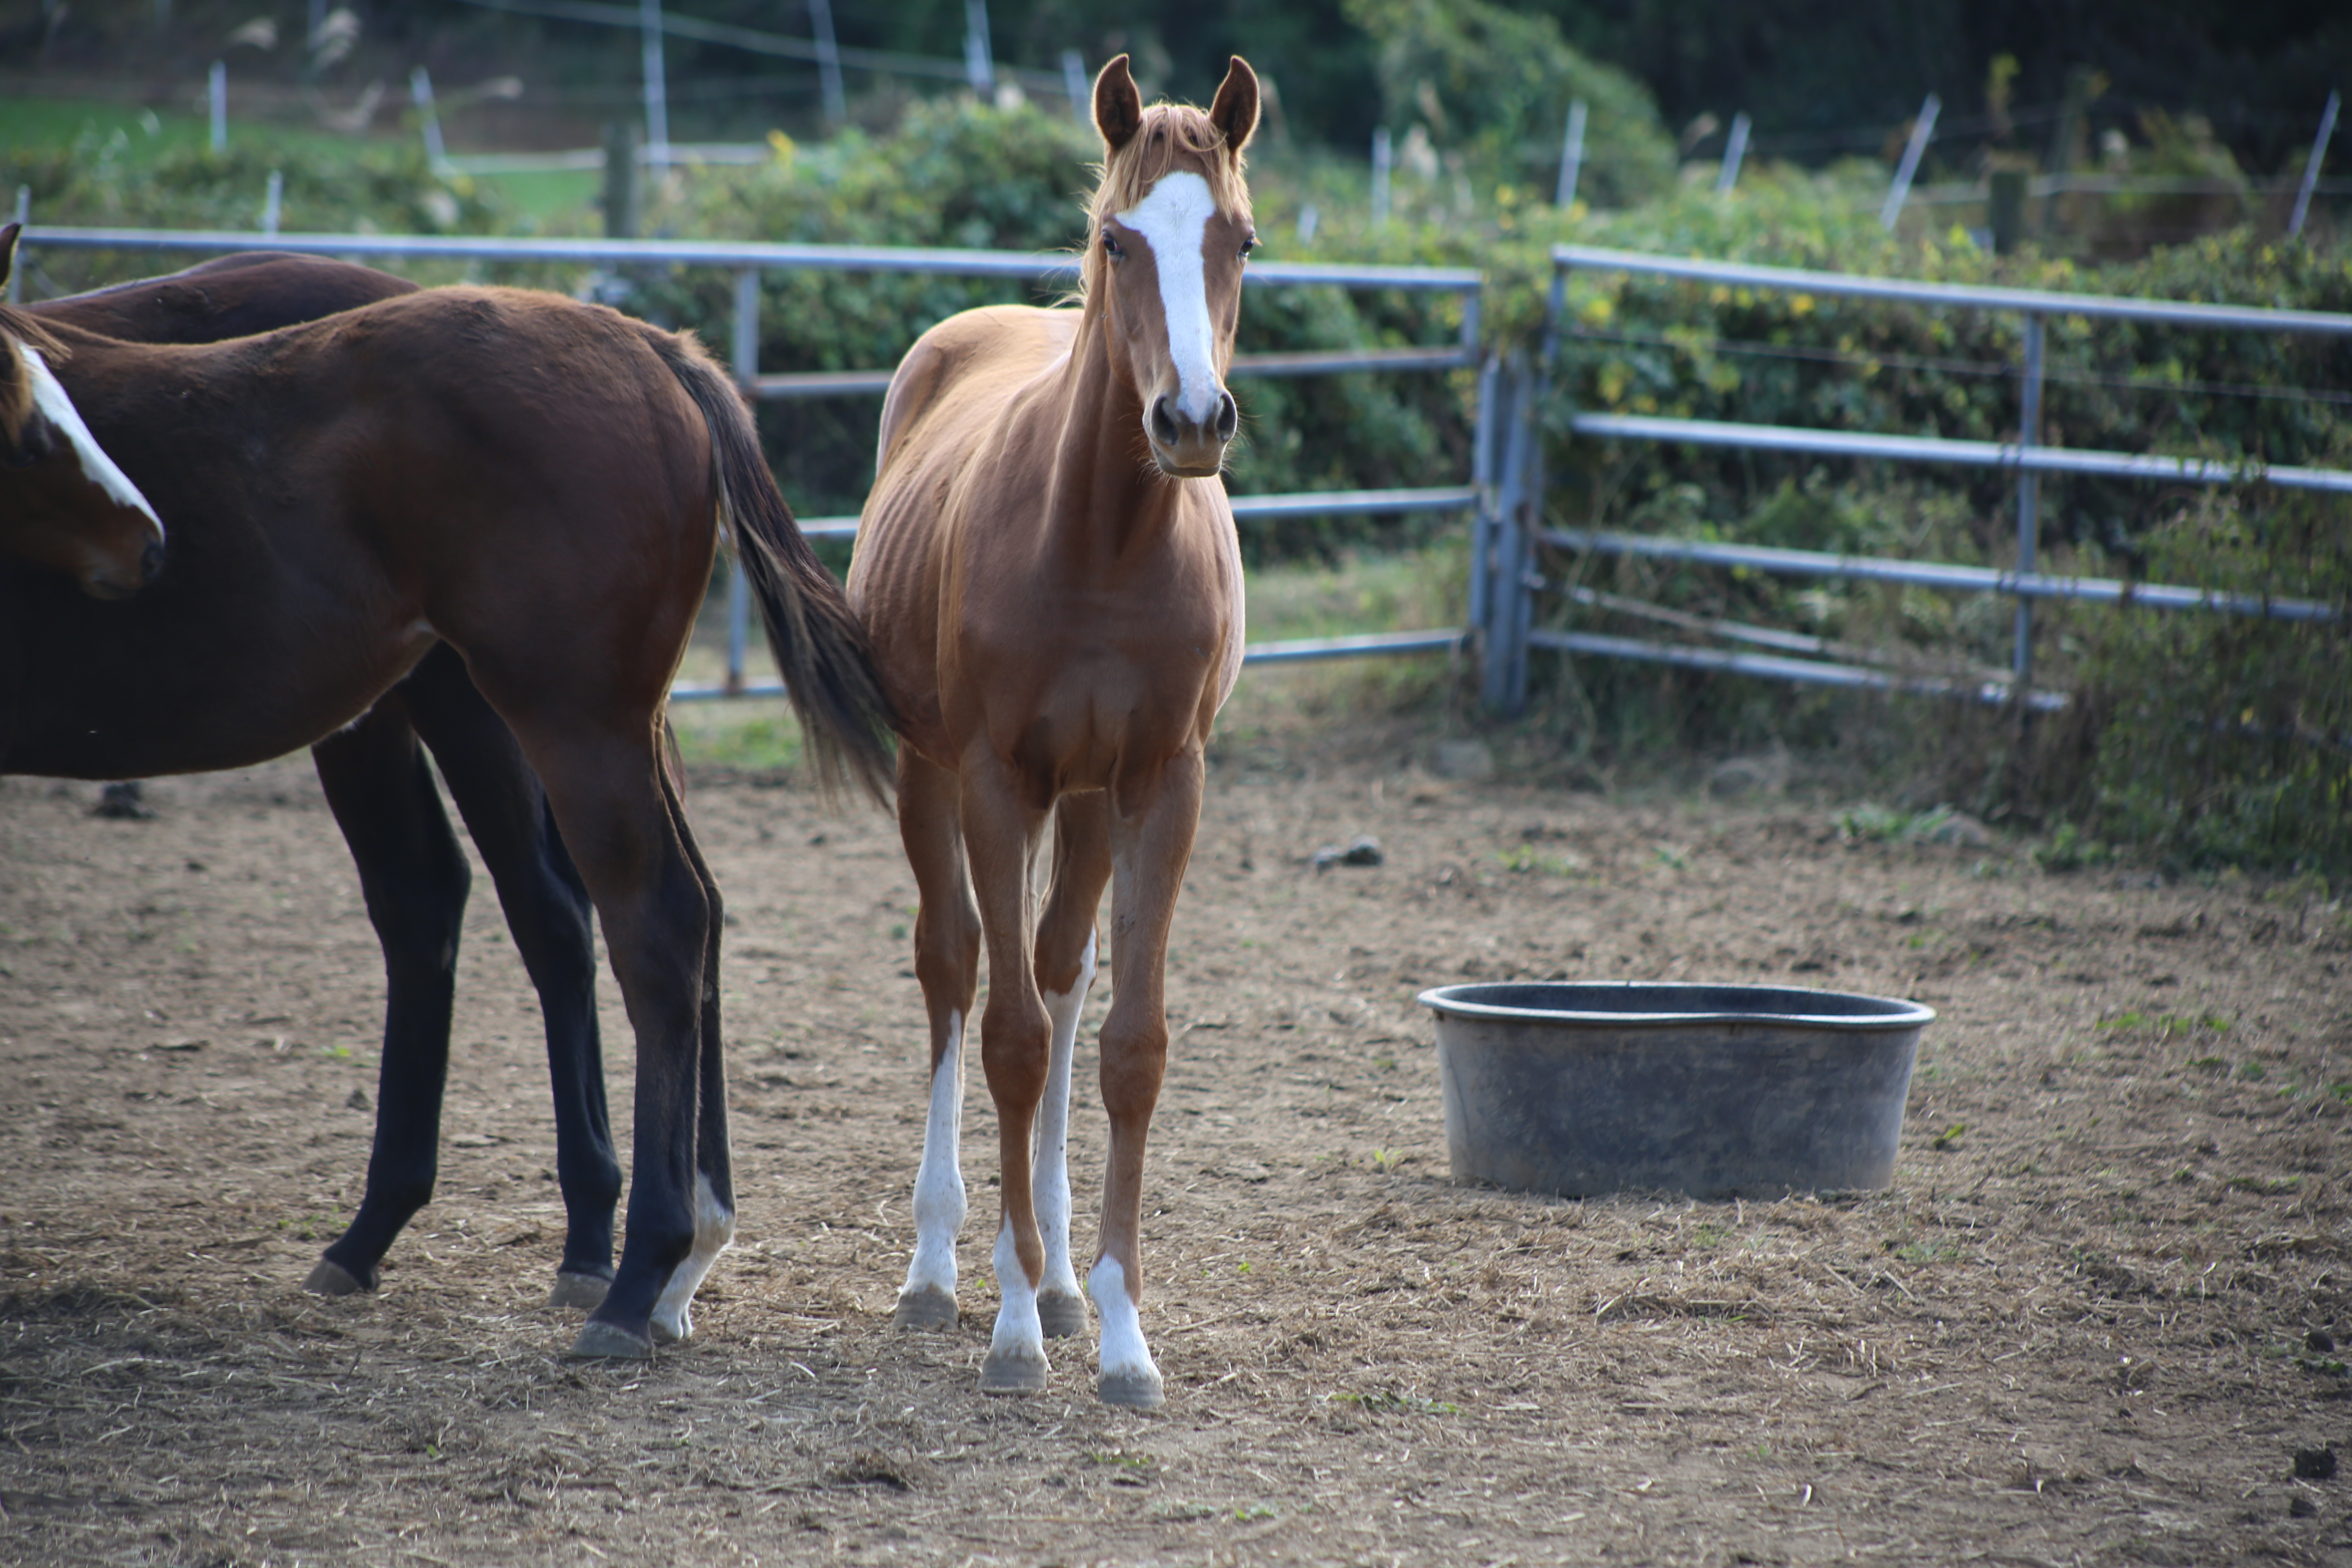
(1487,87)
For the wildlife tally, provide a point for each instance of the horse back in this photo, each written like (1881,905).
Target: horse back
(234,297)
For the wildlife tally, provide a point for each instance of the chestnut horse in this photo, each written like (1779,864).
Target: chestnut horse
(412,873)
(1048,568)
(539,485)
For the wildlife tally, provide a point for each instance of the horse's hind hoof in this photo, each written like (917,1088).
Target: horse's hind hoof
(607,1341)
(1132,1390)
(929,1308)
(1012,1373)
(1062,1314)
(583,1293)
(328,1278)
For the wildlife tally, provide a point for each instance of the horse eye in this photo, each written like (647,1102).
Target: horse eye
(1110,247)
(1247,246)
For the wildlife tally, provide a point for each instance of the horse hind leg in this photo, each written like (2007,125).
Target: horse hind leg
(947,962)
(631,853)
(1066,970)
(714,1175)
(413,878)
(552,922)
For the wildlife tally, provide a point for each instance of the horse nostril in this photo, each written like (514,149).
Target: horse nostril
(1163,426)
(151,561)
(1229,417)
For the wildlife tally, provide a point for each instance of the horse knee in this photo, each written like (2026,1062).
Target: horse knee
(1134,1063)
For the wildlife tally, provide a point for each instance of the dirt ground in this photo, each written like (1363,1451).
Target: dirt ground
(2095,1320)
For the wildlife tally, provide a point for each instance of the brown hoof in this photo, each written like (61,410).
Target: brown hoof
(605,1341)
(582,1293)
(929,1308)
(328,1278)
(1013,1374)
(1133,1390)
(1062,1314)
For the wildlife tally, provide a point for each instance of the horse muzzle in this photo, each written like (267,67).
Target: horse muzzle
(1186,447)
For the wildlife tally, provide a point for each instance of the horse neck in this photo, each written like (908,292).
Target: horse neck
(1107,498)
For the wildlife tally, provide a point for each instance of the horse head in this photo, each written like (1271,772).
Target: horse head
(1172,229)
(64,503)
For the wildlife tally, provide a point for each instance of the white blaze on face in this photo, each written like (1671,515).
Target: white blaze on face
(49,397)
(1173,220)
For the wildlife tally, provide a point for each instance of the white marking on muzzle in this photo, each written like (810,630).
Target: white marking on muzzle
(1173,220)
(49,397)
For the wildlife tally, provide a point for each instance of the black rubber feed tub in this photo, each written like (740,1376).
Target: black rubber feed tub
(1720,1091)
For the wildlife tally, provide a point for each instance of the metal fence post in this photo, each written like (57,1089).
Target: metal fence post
(1483,470)
(747,375)
(2028,500)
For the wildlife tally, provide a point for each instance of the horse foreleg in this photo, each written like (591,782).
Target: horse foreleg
(947,962)
(1065,969)
(714,1166)
(1001,832)
(552,922)
(413,876)
(1152,841)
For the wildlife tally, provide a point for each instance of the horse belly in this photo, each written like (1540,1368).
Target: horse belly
(198,703)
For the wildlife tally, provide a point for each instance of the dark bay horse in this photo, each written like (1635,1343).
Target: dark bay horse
(536,484)
(412,873)
(1048,568)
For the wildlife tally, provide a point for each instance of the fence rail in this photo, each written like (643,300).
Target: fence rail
(1508,626)
(1507,485)
(748,259)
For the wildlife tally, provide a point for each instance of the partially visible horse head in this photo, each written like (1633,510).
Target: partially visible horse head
(1171,229)
(64,503)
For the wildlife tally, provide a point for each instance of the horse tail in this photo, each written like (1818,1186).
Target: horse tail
(820,644)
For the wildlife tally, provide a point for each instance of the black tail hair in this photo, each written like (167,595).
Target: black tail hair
(820,645)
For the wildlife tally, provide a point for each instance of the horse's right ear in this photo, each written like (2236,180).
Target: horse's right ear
(1119,107)
(8,251)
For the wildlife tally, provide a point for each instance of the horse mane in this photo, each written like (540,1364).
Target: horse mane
(1169,133)
(15,386)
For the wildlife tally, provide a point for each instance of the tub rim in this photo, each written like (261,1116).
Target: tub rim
(1447,1001)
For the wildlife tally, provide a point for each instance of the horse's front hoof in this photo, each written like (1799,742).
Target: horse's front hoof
(1132,1390)
(1062,1314)
(328,1278)
(608,1342)
(1012,1373)
(929,1308)
(581,1292)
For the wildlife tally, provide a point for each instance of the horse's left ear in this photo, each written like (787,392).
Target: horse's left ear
(1234,111)
(8,250)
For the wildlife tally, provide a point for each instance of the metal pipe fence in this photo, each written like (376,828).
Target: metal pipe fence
(1509,617)
(748,259)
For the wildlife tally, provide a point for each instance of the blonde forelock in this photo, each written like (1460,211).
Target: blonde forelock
(1171,135)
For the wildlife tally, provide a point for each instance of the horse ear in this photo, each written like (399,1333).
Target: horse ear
(8,250)
(1119,107)
(1234,111)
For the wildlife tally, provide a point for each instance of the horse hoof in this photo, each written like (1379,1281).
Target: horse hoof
(673,1334)
(1012,1373)
(929,1308)
(606,1341)
(328,1278)
(583,1292)
(1062,1314)
(1133,1390)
